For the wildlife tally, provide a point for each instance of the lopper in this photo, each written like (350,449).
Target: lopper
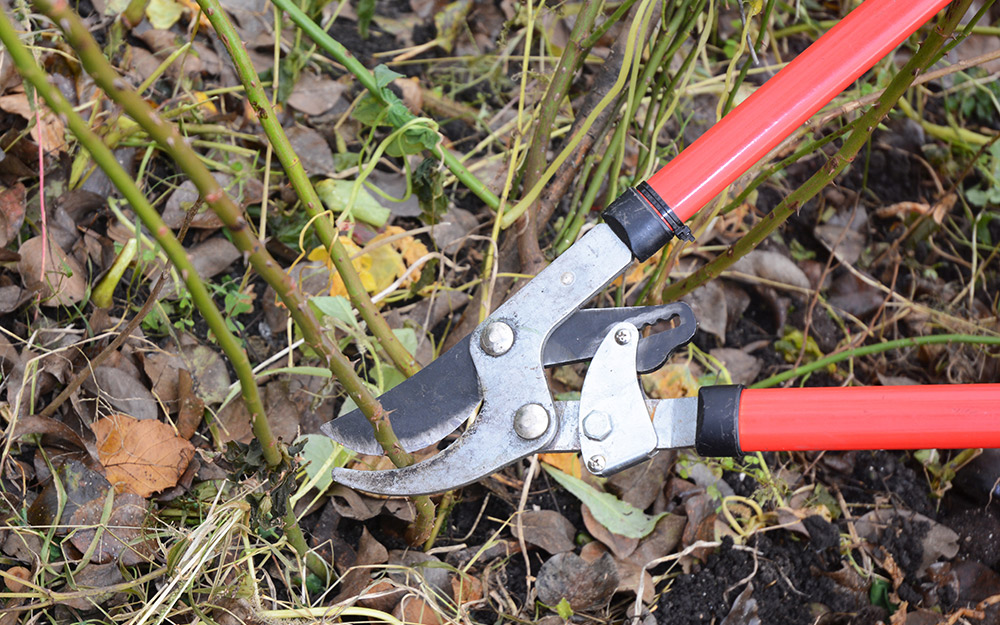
(497,373)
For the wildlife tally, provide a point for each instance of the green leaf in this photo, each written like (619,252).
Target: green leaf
(619,517)
(369,110)
(162,14)
(407,337)
(563,609)
(336,195)
(335,306)
(384,75)
(317,451)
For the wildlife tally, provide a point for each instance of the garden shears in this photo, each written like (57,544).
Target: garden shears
(495,377)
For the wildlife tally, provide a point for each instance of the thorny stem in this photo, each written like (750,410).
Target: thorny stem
(535,159)
(292,165)
(171,142)
(367,79)
(200,296)
(864,126)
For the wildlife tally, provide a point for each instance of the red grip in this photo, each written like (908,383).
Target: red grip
(875,417)
(787,100)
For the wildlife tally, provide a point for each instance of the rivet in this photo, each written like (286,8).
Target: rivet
(497,338)
(531,421)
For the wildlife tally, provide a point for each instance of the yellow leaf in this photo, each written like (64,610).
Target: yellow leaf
(671,381)
(379,264)
(567,463)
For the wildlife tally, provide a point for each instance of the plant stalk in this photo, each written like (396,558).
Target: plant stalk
(292,165)
(367,80)
(200,295)
(171,142)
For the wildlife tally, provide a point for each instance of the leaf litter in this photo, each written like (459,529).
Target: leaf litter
(847,538)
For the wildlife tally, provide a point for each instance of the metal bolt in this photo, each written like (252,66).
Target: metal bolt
(622,337)
(497,338)
(597,425)
(567,278)
(531,421)
(596,464)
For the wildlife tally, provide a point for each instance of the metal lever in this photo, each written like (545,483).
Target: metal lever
(615,429)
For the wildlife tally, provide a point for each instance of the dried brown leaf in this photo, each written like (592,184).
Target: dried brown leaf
(621,546)
(64,282)
(546,529)
(11,212)
(142,457)
(122,537)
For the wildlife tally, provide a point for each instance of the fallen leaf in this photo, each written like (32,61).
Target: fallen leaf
(546,529)
(121,538)
(772,266)
(414,610)
(142,457)
(315,95)
(192,408)
(567,463)
(709,306)
(583,584)
(358,575)
(312,149)
(621,546)
(11,212)
(50,132)
(187,196)
(64,282)
(607,509)
(378,265)
(339,196)
(79,484)
(163,14)
(640,485)
(744,610)
(741,366)
(125,393)
(209,372)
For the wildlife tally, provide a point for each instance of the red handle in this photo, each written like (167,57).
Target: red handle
(877,417)
(763,120)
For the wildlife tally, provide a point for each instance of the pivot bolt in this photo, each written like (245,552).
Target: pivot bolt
(497,338)
(622,337)
(531,421)
(596,464)
(597,425)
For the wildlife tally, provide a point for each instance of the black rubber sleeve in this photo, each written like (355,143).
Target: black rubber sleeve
(718,431)
(643,221)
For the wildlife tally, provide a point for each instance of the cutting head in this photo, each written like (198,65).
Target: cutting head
(517,416)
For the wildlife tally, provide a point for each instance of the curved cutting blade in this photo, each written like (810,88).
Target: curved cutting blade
(423,410)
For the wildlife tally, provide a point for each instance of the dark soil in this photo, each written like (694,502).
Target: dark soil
(790,581)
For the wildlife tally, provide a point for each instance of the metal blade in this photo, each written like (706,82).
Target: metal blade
(477,454)
(423,410)
(444,394)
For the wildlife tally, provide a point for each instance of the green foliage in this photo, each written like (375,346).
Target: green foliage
(976,101)
(336,195)
(563,609)
(389,110)
(619,517)
(989,166)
